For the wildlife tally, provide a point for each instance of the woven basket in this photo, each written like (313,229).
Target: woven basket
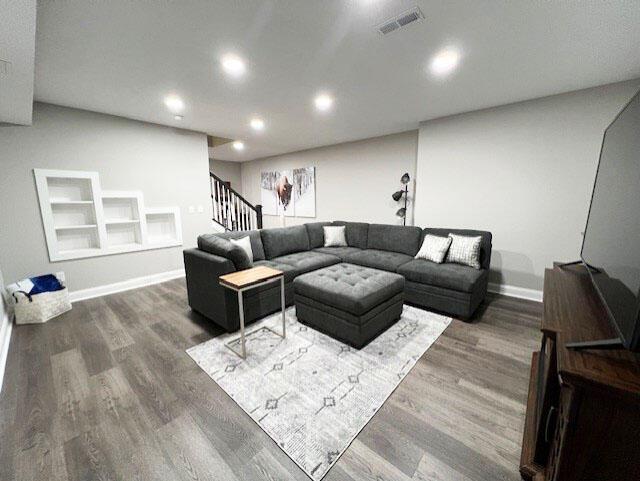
(40,307)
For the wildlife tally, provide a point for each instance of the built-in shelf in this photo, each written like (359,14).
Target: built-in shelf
(124,234)
(81,220)
(122,221)
(127,247)
(76,227)
(71,202)
(163,226)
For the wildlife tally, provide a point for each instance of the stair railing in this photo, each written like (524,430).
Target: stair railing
(230,209)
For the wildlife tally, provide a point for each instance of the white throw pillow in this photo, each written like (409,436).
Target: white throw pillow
(465,250)
(434,248)
(334,236)
(245,244)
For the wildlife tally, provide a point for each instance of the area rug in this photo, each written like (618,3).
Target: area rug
(310,393)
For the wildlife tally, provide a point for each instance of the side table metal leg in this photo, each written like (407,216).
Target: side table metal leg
(284,328)
(241,309)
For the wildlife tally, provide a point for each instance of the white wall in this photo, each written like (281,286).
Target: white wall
(228,171)
(170,166)
(523,171)
(354,181)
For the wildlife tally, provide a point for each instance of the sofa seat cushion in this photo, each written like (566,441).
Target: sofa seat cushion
(295,264)
(340,252)
(385,260)
(350,288)
(449,276)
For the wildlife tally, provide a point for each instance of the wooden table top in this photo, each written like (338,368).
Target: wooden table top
(249,277)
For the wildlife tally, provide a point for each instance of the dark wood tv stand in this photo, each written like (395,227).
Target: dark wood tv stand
(583,409)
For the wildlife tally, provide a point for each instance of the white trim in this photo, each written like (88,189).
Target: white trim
(135,283)
(5,338)
(513,291)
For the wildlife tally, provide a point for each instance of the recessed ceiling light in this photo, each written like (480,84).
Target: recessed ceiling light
(178,117)
(174,103)
(257,124)
(444,62)
(323,102)
(238,145)
(233,65)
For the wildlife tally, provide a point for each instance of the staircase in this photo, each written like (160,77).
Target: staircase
(230,209)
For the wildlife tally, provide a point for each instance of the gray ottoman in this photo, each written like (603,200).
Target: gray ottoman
(353,304)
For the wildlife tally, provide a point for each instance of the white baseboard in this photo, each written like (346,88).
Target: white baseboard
(513,291)
(5,338)
(135,283)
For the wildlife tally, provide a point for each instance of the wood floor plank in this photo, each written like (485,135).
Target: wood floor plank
(73,393)
(107,392)
(190,452)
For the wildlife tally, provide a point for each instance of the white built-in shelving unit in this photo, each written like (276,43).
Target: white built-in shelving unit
(81,220)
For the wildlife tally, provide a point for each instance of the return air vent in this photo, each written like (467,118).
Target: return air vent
(399,21)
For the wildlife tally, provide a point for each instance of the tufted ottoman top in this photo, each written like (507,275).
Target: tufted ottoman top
(351,288)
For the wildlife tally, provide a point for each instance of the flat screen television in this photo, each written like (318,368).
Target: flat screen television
(611,244)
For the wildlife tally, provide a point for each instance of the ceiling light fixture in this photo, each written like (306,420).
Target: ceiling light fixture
(444,62)
(323,102)
(233,65)
(238,145)
(174,103)
(257,124)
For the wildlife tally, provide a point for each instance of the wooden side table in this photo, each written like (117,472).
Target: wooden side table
(249,279)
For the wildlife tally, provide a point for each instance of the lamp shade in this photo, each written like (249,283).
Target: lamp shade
(405,178)
(401,212)
(397,195)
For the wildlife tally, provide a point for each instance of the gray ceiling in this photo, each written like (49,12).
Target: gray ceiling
(122,57)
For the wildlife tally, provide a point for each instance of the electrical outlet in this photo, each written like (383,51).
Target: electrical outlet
(200,209)
(192,209)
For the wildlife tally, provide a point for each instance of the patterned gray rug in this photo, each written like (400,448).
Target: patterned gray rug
(311,393)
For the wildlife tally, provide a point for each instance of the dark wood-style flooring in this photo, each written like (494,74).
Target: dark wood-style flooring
(106,392)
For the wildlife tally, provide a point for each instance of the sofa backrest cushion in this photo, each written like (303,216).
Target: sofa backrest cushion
(395,238)
(356,232)
(485,244)
(214,244)
(284,240)
(316,233)
(254,237)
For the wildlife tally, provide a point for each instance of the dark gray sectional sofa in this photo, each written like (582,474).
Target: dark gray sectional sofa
(449,288)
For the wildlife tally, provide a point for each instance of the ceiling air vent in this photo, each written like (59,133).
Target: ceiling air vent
(388,27)
(399,21)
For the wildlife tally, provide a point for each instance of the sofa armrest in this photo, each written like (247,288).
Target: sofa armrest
(205,293)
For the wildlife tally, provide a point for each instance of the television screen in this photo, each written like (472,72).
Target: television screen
(611,245)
